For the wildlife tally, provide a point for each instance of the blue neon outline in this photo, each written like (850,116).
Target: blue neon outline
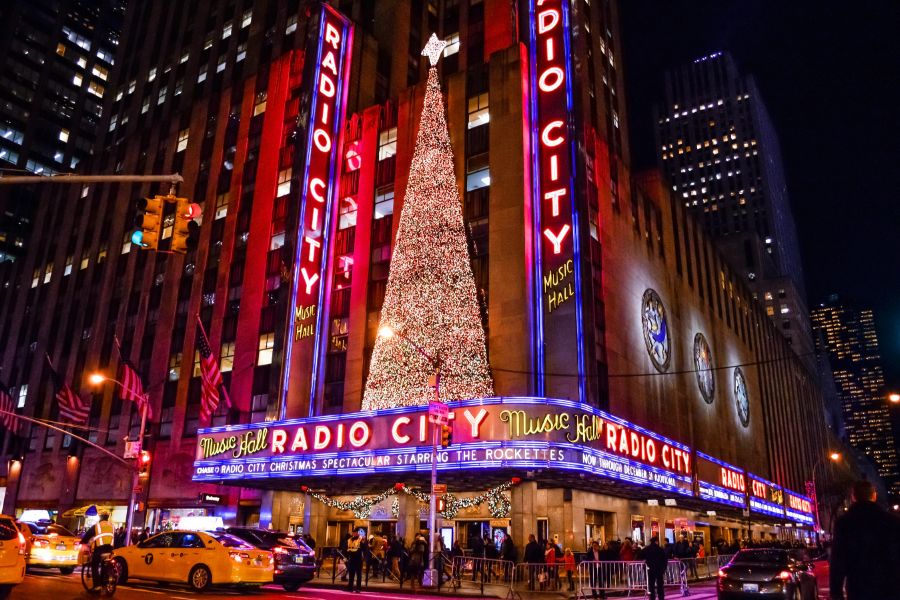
(732,495)
(576,231)
(764,506)
(289,341)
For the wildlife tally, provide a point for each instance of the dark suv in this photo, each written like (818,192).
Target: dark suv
(295,562)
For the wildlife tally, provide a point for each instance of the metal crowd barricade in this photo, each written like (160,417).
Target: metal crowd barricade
(533,579)
(704,568)
(675,576)
(496,576)
(610,576)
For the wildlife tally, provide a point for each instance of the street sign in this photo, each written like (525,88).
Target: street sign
(439,488)
(438,411)
(132,449)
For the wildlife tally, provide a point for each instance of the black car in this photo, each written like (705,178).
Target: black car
(295,562)
(766,573)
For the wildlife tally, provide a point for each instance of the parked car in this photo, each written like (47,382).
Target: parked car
(12,555)
(295,562)
(766,573)
(50,546)
(199,559)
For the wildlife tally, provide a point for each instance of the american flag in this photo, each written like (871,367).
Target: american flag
(211,378)
(7,417)
(133,388)
(72,407)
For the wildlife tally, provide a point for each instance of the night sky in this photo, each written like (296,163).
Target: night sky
(828,72)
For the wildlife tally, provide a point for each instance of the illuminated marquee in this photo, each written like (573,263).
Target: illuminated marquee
(720,482)
(557,277)
(766,497)
(798,508)
(495,433)
(327,76)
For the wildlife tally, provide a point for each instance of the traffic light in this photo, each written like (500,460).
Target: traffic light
(149,219)
(185,231)
(441,504)
(144,462)
(446,436)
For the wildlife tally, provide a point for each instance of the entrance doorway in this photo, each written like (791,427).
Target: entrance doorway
(382,528)
(598,526)
(337,531)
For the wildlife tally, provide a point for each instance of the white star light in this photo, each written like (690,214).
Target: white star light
(434,48)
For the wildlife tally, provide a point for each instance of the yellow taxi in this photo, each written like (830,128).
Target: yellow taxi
(197,558)
(12,555)
(51,546)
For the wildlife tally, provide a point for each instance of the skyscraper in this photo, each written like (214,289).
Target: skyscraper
(718,147)
(57,58)
(847,335)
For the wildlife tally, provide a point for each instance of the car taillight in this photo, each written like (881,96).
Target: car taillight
(723,573)
(21,543)
(280,550)
(38,543)
(784,575)
(77,546)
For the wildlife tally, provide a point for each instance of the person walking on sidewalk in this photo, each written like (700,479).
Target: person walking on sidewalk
(655,559)
(866,550)
(354,562)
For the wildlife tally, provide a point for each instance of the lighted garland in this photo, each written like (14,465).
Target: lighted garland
(431,297)
(498,504)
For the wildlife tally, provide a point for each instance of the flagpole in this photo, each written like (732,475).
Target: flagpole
(135,477)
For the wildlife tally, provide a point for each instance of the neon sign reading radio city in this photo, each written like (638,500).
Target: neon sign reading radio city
(326,115)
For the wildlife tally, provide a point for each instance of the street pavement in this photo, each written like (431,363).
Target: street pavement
(39,585)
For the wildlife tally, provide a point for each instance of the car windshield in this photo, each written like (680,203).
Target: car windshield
(230,541)
(764,557)
(57,529)
(273,538)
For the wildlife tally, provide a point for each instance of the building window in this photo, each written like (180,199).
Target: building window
(175,366)
(387,143)
(100,72)
(266,345)
(77,79)
(478,179)
(348,212)
(241,52)
(201,77)
(226,357)
(247,18)
(23,395)
(284,182)
(260,106)
(452,44)
(222,205)
(384,203)
(291,25)
(64,135)
(36,278)
(182,140)
(478,111)
(226,31)
(68,270)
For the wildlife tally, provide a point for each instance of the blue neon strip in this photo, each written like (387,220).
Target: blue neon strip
(768,508)
(732,497)
(799,517)
(540,383)
(721,463)
(765,481)
(301,225)
(576,231)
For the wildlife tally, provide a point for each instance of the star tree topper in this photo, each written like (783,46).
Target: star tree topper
(434,48)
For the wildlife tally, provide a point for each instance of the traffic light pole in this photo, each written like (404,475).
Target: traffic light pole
(135,477)
(175,178)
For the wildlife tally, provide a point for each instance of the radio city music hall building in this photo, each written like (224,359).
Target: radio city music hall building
(637,385)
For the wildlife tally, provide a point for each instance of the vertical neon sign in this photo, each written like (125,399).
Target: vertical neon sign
(557,272)
(323,141)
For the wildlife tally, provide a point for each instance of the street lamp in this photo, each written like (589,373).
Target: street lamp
(834,456)
(96,379)
(387,332)
(894,397)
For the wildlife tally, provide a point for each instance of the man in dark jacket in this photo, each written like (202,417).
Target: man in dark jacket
(655,558)
(865,553)
(534,555)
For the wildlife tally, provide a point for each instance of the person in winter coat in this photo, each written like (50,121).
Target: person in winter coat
(866,550)
(533,556)
(627,552)
(569,565)
(655,559)
(547,577)
(418,556)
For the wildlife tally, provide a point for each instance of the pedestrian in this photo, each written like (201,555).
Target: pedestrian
(595,556)
(546,578)
(310,541)
(119,539)
(477,555)
(533,556)
(569,562)
(655,559)
(394,552)
(866,550)
(145,534)
(417,558)
(342,548)
(354,562)
(626,554)
(509,554)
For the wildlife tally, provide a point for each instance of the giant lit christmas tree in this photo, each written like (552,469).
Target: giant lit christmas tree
(430,301)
